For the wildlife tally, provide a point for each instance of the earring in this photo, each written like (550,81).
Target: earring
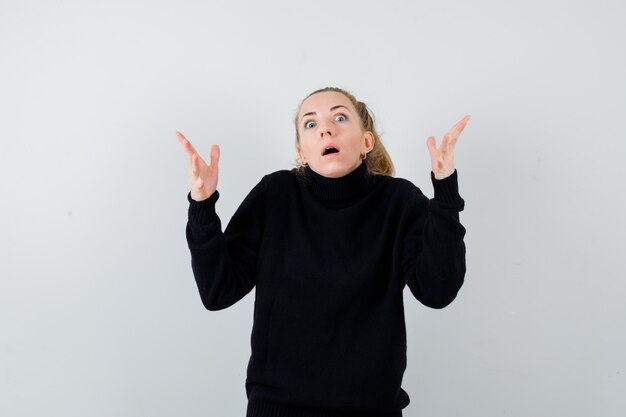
(363,156)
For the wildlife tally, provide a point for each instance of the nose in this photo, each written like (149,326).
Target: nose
(325,130)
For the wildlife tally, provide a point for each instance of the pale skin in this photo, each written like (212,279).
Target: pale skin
(442,158)
(328,118)
(204,177)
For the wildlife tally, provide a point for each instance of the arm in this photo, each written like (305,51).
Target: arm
(224,263)
(434,252)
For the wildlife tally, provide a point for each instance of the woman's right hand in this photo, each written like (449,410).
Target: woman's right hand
(203,176)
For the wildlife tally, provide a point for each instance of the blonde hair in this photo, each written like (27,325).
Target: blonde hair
(378,160)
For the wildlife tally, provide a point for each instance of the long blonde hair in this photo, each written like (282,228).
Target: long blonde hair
(378,160)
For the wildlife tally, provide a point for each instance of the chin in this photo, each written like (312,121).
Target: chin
(337,174)
(332,171)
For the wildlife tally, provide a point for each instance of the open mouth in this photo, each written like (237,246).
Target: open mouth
(330,150)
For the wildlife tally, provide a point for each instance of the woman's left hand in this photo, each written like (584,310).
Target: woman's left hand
(443,158)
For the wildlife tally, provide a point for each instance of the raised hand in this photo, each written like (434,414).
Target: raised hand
(203,177)
(443,158)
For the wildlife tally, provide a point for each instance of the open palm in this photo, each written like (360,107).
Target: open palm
(442,158)
(203,177)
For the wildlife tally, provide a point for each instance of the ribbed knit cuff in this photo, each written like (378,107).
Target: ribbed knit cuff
(203,212)
(447,190)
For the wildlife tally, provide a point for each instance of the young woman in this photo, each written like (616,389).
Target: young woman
(329,247)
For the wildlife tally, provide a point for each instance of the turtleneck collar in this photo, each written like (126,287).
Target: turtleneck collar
(348,187)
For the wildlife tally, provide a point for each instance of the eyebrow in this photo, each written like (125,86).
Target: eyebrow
(331,109)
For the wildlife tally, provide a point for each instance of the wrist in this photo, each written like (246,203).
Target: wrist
(439,175)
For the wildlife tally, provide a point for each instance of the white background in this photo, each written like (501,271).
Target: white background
(99,311)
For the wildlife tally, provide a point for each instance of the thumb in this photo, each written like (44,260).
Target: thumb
(215,154)
(430,142)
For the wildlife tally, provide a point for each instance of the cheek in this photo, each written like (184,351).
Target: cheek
(306,146)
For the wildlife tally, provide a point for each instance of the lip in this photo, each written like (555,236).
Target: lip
(331,155)
(329,145)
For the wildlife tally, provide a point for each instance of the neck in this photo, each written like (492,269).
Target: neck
(342,189)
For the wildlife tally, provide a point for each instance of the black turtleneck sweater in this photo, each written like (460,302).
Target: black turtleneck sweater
(329,259)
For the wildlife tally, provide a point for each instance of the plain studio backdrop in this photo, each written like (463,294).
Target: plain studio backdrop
(99,310)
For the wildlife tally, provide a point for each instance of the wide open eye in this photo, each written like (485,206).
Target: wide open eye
(307,125)
(341,115)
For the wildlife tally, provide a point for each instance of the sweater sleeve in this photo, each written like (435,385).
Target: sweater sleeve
(434,251)
(224,263)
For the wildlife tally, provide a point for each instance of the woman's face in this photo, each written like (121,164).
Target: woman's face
(329,119)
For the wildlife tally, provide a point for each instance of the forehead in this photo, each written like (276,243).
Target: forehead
(324,101)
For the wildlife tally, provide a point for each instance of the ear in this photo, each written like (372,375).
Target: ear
(369,141)
(300,156)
